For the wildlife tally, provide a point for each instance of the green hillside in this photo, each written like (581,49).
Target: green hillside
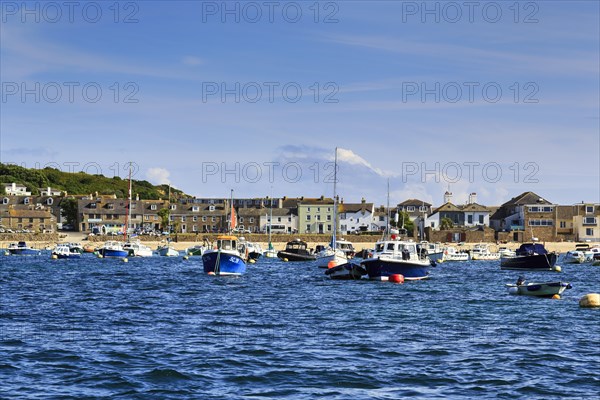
(81,183)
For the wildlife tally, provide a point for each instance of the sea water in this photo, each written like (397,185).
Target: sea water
(159,328)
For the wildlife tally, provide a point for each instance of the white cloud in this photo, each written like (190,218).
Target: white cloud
(345,155)
(158,176)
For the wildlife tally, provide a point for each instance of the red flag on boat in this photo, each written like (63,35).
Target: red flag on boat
(233,221)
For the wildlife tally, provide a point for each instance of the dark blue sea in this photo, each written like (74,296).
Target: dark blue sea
(160,328)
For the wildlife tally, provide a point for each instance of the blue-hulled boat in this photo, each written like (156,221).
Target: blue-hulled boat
(394,256)
(530,257)
(225,259)
(21,249)
(113,249)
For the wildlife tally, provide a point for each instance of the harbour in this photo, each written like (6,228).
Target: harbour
(161,328)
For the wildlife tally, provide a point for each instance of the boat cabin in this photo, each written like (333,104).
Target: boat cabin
(529,249)
(396,249)
(226,243)
(296,246)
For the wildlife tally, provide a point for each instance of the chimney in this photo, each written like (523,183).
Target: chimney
(447,197)
(49,191)
(363,201)
(472,198)
(137,197)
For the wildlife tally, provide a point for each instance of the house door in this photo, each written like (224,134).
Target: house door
(320,228)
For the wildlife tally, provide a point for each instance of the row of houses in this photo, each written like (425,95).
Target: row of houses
(519,219)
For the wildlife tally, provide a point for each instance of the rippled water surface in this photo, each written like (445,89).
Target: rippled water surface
(159,328)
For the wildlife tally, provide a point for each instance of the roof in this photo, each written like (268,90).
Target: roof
(315,201)
(447,207)
(414,202)
(474,207)
(526,198)
(356,207)
(27,213)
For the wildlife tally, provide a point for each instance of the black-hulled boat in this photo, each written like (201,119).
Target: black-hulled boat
(530,257)
(296,250)
(347,271)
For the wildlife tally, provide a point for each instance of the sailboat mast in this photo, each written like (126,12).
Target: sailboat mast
(128,215)
(333,237)
(271,220)
(231,212)
(387,226)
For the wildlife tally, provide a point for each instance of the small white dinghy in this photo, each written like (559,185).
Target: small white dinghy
(545,289)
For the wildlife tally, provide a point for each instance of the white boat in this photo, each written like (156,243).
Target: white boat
(334,255)
(434,250)
(137,249)
(506,252)
(588,253)
(545,289)
(113,249)
(574,257)
(167,250)
(451,254)
(196,250)
(393,256)
(482,251)
(65,250)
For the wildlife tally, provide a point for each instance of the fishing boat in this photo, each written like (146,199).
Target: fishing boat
(451,254)
(167,249)
(136,249)
(482,251)
(393,256)
(252,250)
(225,259)
(65,250)
(530,257)
(296,250)
(113,249)
(347,271)
(22,249)
(545,289)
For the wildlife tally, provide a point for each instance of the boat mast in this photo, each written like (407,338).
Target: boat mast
(128,215)
(231,212)
(271,220)
(387,225)
(333,237)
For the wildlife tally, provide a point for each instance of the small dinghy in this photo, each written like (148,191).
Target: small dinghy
(546,289)
(347,271)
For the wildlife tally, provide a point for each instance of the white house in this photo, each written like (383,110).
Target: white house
(48,191)
(12,189)
(284,221)
(355,217)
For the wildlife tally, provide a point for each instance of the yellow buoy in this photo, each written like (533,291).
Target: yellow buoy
(7,253)
(185,257)
(251,261)
(557,268)
(100,255)
(590,300)
(556,297)
(125,259)
(285,260)
(54,257)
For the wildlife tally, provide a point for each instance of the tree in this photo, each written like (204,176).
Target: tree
(68,209)
(446,224)
(164,214)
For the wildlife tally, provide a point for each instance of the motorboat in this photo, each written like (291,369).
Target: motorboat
(530,257)
(347,271)
(539,289)
(393,256)
(225,258)
(22,249)
(481,251)
(296,250)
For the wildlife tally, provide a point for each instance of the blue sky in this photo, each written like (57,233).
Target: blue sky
(497,99)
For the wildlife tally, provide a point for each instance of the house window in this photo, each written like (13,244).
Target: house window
(307,209)
(195,218)
(194,228)
(279,219)
(153,206)
(183,218)
(203,219)
(5,200)
(589,209)
(308,217)
(563,224)
(147,217)
(318,209)
(50,201)
(110,206)
(308,228)
(195,208)
(289,219)
(470,219)
(329,218)
(92,205)
(213,219)
(26,200)
(211,208)
(589,221)
(410,208)
(170,218)
(251,220)
(422,208)
(541,222)
(172,207)
(329,228)
(481,219)
(381,218)
(318,217)
(241,219)
(589,231)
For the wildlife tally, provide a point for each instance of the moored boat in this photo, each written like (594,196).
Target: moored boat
(22,249)
(394,256)
(451,254)
(136,249)
(225,259)
(574,257)
(113,249)
(66,250)
(347,271)
(196,250)
(530,257)
(481,251)
(543,289)
(296,250)
(167,250)
(434,250)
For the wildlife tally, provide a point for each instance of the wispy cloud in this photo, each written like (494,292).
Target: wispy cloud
(158,176)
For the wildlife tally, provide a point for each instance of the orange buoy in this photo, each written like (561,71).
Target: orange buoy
(331,264)
(211,273)
(556,297)
(396,278)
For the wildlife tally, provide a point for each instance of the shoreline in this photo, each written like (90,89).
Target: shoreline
(559,247)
